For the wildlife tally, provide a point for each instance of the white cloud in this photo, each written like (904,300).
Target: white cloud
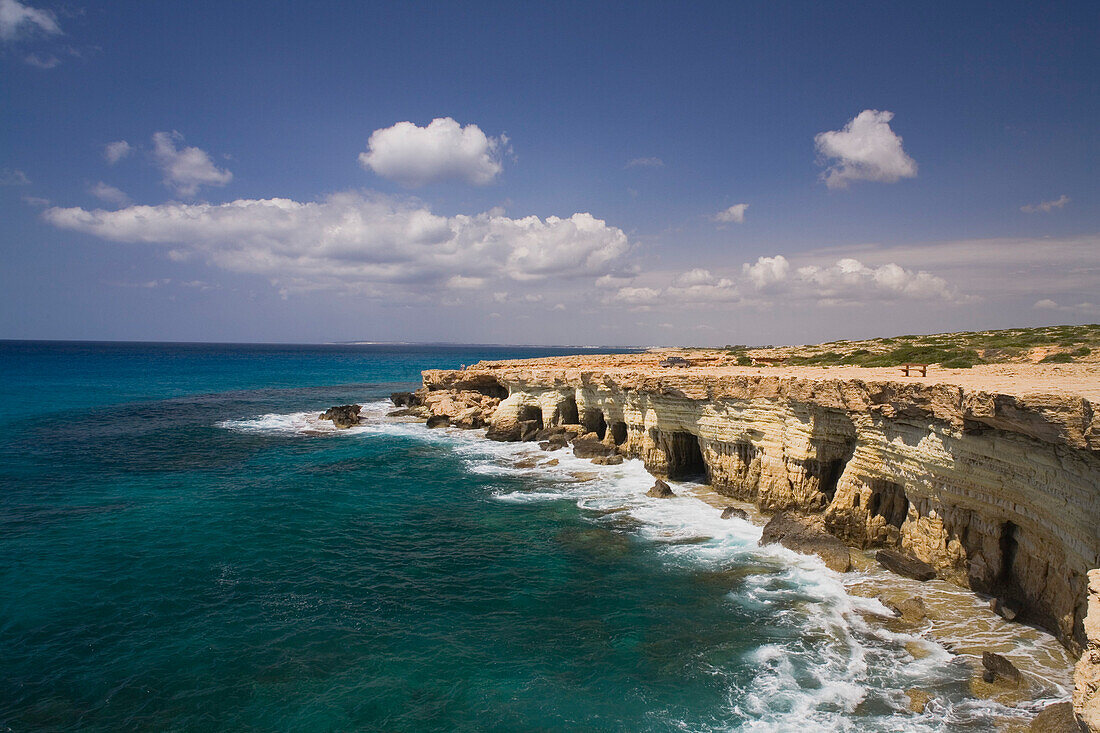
(851,281)
(1045,206)
(733,215)
(442,151)
(363,243)
(1046,304)
(645,163)
(186,169)
(18,19)
(35,201)
(698,276)
(116,151)
(1084,309)
(865,150)
(13,177)
(767,271)
(108,193)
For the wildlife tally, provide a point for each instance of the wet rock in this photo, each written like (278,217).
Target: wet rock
(1004,609)
(526,463)
(586,448)
(910,609)
(1056,718)
(918,699)
(731,512)
(528,429)
(405,399)
(508,433)
(806,535)
(660,490)
(998,666)
(905,565)
(556,442)
(551,462)
(607,460)
(342,416)
(403,413)
(551,434)
(917,649)
(439,421)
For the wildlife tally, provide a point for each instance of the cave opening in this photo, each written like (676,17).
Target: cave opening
(569,414)
(1009,547)
(530,412)
(594,422)
(493,389)
(618,432)
(888,500)
(685,458)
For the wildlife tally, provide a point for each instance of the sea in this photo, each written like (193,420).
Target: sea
(184,546)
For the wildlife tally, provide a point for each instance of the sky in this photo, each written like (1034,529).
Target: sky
(554,173)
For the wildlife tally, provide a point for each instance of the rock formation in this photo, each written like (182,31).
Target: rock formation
(342,416)
(1086,693)
(997,492)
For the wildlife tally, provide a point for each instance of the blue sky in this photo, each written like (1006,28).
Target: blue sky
(882,168)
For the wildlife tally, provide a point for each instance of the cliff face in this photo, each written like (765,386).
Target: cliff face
(997,492)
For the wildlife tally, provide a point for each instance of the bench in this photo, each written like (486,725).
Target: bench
(906,368)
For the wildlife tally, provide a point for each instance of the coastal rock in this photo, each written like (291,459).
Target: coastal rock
(974,483)
(806,535)
(912,609)
(439,421)
(588,448)
(1007,611)
(405,399)
(660,490)
(901,564)
(731,512)
(1056,718)
(613,460)
(998,666)
(1086,675)
(918,699)
(555,443)
(342,416)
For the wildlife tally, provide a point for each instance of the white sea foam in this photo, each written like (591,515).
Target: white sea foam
(828,661)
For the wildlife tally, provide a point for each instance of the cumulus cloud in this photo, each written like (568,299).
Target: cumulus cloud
(866,149)
(442,151)
(645,163)
(363,243)
(186,169)
(1045,206)
(109,194)
(17,19)
(851,281)
(733,215)
(13,177)
(1082,309)
(116,151)
(767,271)
(698,276)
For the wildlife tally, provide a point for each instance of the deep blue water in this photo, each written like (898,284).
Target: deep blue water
(181,549)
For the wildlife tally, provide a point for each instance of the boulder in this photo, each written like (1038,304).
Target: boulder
(551,434)
(1004,609)
(586,448)
(439,421)
(342,416)
(731,511)
(405,399)
(528,429)
(905,565)
(998,666)
(556,442)
(660,490)
(607,460)
(911,609)
(806,535)
(507,433)
(1056,718)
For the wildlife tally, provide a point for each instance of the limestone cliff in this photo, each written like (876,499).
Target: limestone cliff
(999,492)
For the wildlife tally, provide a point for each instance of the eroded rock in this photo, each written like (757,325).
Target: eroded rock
(902,564)
(439,421)
(997,666)
(660,490)
(342,416)
(732,512)
(807,536)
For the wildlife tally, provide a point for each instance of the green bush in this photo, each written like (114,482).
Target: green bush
(1062,358)
(744,361)
(1083,351)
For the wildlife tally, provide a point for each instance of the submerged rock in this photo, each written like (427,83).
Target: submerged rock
(732,511)
(660,490)
(1056,718)
(998,666)
(607,460)
(342,416)
(807,536)
(905,565)
(918,699)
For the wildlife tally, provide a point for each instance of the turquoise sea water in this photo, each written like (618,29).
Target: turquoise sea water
(183,547)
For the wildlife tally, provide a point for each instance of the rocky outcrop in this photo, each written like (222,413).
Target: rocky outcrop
(342,416)
(905,565)
(808,536)
(661,490)
(1086,677)
(996,492)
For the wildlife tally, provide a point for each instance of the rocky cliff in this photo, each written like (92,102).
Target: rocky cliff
(998,492)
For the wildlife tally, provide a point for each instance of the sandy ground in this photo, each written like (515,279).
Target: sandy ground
(1082,380)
